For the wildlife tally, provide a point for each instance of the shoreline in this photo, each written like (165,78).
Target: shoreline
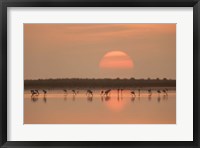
(98,83)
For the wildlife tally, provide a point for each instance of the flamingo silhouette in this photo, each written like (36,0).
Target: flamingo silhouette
(107,92)
(165,91)
(37,91)
(150,92)
(44,91)
(158,91)
(101,92)
(74,92)
(65,90)
(139,92)
(33,92)
(89,92)
(133,93)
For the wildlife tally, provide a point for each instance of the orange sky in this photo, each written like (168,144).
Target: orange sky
(77,50)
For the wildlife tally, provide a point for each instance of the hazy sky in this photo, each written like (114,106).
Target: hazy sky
(99,51)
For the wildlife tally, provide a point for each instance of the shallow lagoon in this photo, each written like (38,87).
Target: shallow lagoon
(56,107)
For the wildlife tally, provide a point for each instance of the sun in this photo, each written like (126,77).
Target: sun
(116,60)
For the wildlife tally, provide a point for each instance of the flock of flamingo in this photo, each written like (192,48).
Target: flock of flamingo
(105,93)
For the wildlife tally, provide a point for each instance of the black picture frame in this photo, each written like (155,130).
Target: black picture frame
(4,4)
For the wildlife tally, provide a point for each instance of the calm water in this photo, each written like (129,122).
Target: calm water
(58,108)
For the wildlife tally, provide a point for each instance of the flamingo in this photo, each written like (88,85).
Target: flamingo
(33,92)
(74,92)
(65,90)
(150,92)
(37,91)
(101,92)
(107,98)
(133,93)
(44,91)
(164,91)
(107,92)
(158,91)
(139,91)
(89,92)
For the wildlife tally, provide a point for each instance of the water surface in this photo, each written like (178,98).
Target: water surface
(56,107)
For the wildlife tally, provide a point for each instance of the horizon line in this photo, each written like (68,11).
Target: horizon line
(101,79)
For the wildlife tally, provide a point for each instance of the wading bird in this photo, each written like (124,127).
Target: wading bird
(65,90)
(150,92)
(101,92)
(44,91)
(107,92)
(158,91)
(74,92)
(33,92)
(165,91)
(37,91)
(89,93)
(139,92)
(133,93)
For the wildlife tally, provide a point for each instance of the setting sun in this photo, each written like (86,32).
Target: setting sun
(116,60)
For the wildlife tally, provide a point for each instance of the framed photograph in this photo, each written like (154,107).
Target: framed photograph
(99,73)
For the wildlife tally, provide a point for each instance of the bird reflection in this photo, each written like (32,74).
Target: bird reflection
(149,97)
(107,98)
(118,92)
(121,97)
(65,97)
(34,98)
(158,99)
(133,98)
(139,98)
(121,91)
(138,92)
(102,98)
(45,99)
(165,97)
(90,98)
(73,97)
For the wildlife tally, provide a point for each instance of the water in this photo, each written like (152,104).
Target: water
(58,108)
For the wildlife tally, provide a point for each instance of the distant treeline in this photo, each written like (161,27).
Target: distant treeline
(95,83)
